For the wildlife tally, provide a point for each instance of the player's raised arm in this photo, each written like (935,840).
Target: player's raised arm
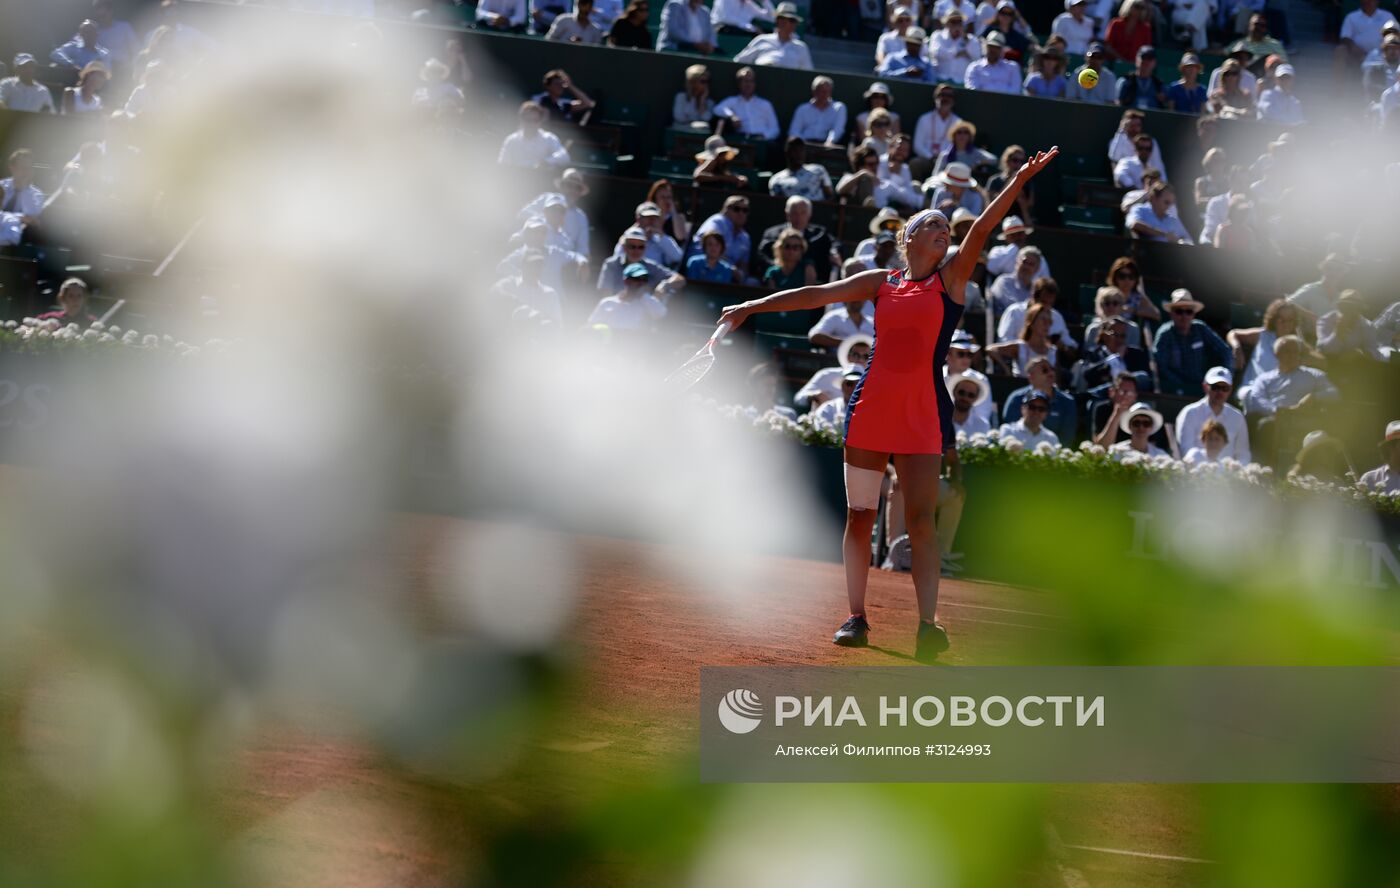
(858,286)
(959,269)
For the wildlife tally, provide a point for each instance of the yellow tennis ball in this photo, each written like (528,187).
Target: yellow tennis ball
(1088,78)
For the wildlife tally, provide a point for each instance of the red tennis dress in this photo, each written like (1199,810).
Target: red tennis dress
(900,404)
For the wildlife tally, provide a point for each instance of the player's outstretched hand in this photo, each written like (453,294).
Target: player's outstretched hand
(1036,164)
(734,315)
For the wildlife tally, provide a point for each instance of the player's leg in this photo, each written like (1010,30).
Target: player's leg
(918,475)
(865,472)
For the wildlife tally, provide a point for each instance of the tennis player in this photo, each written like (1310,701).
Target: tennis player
(900,409)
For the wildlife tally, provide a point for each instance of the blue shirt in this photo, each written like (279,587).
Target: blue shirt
(1063,418)
(1046,88)
(1182,361)
(698,269)
(736,240)
(906,67)
(74,53)
(1189,102)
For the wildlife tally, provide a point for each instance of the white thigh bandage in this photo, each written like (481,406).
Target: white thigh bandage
(862,487)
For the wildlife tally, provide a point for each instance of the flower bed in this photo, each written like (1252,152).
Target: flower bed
(991,450)
(33,336)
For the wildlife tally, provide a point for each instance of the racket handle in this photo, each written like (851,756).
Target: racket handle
(720,332)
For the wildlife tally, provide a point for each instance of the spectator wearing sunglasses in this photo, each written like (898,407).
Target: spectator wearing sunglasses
(1218,385)
(1030,428)
(1110,303)
(1125,277)
(1186,347)
(731,222)
(1140,423)
(1062,414)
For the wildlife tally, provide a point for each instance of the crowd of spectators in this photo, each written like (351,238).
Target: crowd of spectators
(1099,372)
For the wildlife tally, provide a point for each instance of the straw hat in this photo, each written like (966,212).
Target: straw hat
(1182,296)
(714,146)
(886,214)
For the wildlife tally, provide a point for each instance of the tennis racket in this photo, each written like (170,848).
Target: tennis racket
(694,370)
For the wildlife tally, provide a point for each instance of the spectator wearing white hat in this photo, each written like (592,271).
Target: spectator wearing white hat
(572,189)
(878,97)
(892,41)
(661,247)
(1074,26)
(1140,423)
(578,26)
(1279,104)
(748,112)
(1029,429)
(969,390)
(731,221)
(21,92)
(1001,259)
(686,26)
(825,384)
(954,48)
(962,351)
(1345,332)
(1385,478)
(1186,347)
(1218,385)
(780,49)
(799,178)
(955,184)
(532,147)
(743,17)
(831,413)
(820,119)
(887,220)
(841,322)
(1105,90)
(1153,220)
(911,62)
(634,308)
(994,72)
(632,248)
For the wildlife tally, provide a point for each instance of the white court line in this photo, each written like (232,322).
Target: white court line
(1005,610)
(1146,854)
(999,623)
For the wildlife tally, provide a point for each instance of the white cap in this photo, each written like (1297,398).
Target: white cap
(647,208)
(1283,71)
(1219,374)
(634,233)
